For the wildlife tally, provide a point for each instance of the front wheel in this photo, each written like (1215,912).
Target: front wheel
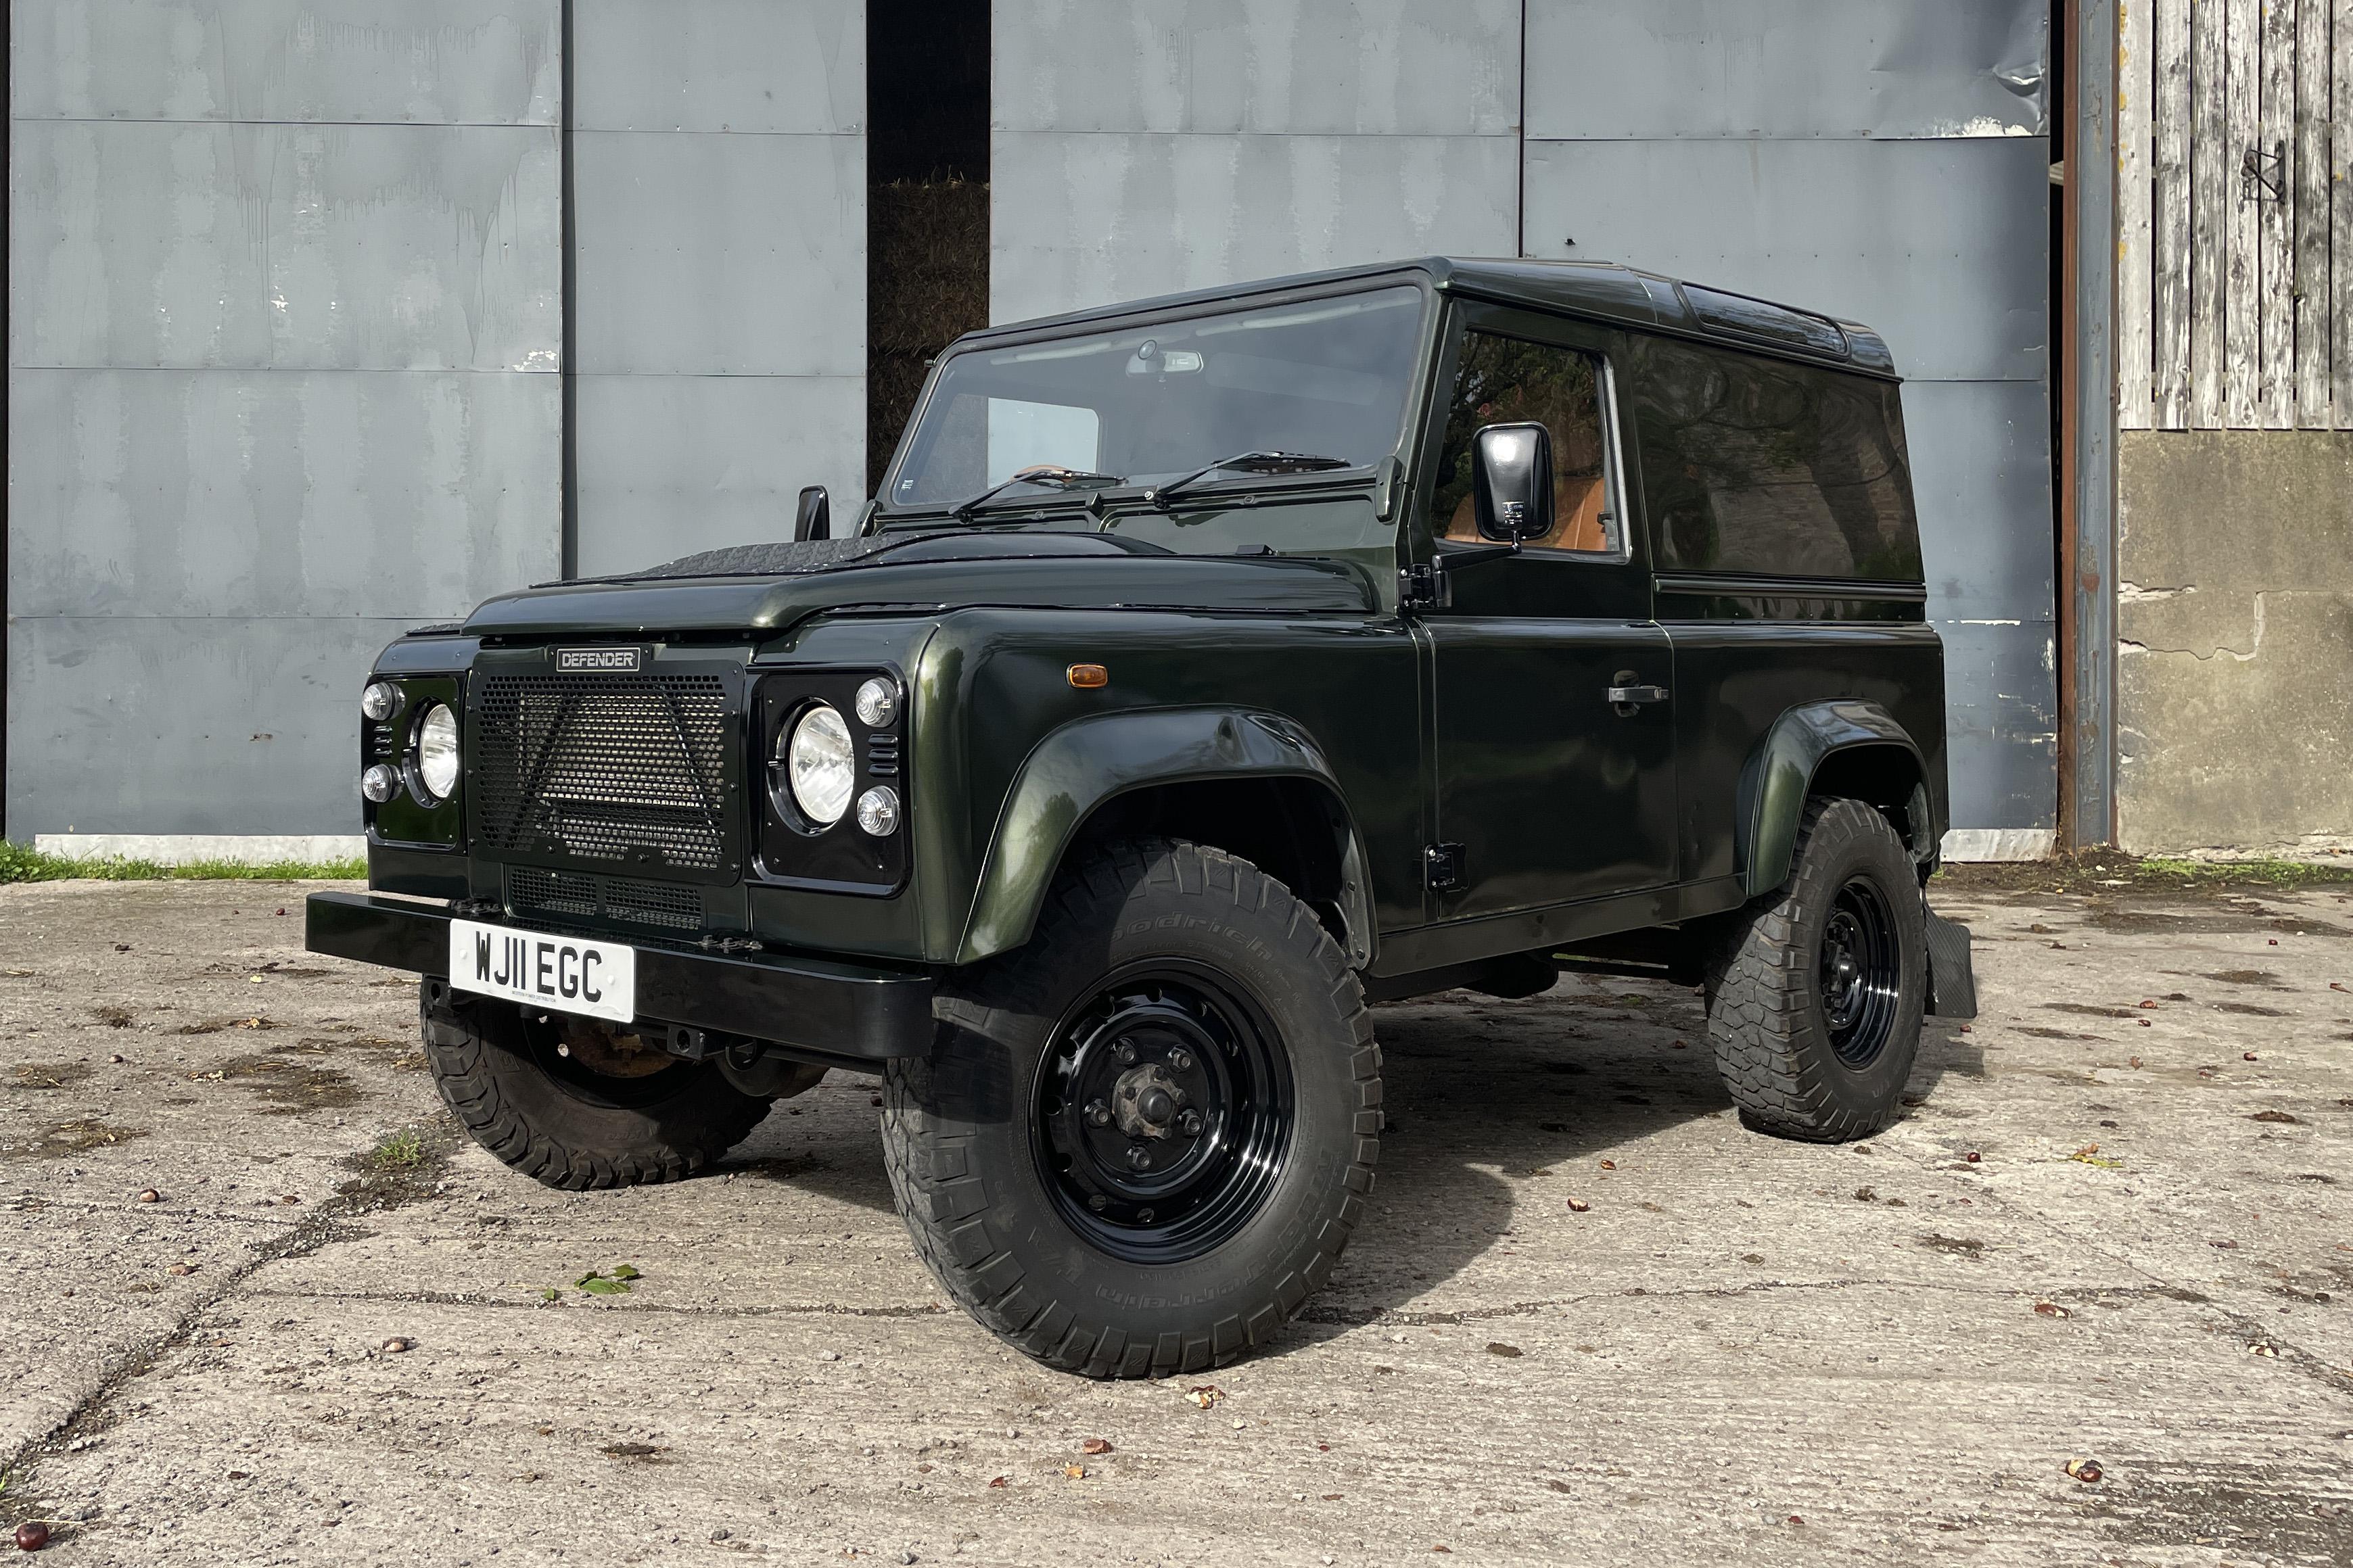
(1815,994)
(1141,1141)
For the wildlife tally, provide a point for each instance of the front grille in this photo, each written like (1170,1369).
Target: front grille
(561,896)
(599,767)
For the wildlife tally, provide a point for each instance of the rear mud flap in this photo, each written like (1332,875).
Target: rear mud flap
(1952,984)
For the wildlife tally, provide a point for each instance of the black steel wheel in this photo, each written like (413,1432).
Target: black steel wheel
(1140,1141)
(1815,992)
(1165,1114)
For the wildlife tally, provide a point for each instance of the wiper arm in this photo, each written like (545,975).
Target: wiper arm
(1250,463)
(1042,474)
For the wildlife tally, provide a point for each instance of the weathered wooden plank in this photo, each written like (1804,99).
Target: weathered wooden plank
(2242,328)
(2275,218)
(2214,186)
(2340,220)
(2314,332)
(2170,201)
(2136,264)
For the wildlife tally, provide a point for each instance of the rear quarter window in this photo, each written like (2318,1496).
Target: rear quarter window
(1756,465)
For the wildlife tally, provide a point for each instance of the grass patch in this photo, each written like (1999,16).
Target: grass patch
(2097,872)
(20,864)
(402,1151)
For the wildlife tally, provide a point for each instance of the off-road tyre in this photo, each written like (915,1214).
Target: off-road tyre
(964,1129)
(574,1132)
(1768,1016)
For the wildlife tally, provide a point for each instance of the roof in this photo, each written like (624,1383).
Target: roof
(1601,290)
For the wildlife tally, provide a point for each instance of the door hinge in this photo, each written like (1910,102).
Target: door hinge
(1424,586)
(1442,866)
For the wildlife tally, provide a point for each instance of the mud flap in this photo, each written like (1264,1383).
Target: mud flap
(1952,984)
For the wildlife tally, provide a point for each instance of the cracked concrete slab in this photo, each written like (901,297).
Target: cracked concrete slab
(1742,1350)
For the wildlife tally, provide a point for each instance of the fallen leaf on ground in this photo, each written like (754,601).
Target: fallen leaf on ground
(1609,1165)
(2085,1470)
(1076,1472)
(150,1197)
(2052,1310)
(2279,1116)
(1499,1348)
(1579,1205)
(1560,1486)
(2089,1155)
(998,1481)
(1096,1446)
(1205,1394)
(2259,1348)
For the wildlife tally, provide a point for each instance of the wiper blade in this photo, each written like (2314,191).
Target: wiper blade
(1250,463)
(1042,474)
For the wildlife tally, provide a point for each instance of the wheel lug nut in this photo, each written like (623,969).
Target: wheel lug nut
(1098,1203)
(1126,1052)
(1180,1060)
(1099,1114)
(1138,1156)
(1190,1124)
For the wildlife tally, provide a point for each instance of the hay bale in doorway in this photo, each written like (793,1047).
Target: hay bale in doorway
(927,284)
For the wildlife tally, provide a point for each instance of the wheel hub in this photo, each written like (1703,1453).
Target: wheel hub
(1860,977)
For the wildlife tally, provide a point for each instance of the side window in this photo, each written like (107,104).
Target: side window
(1756,465)
(1507,381)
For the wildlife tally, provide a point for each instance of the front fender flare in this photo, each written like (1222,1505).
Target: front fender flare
(1780,772)
(1077,768)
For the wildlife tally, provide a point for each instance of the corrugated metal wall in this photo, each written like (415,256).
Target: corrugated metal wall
(1884,160)
(281,382)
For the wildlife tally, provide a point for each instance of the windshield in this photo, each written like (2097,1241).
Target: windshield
(1323,377)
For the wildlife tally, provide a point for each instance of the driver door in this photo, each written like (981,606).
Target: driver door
(1547,792)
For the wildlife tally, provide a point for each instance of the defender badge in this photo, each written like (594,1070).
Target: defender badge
(620,660)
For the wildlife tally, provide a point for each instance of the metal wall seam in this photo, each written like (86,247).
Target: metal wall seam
(2092,543)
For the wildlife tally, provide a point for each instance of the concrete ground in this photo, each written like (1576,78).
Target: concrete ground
(2117,1225)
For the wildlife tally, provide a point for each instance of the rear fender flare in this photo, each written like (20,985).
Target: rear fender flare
(1076,769)
(1780,771)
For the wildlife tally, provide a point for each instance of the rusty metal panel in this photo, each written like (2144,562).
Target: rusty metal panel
(709,255)
(736,65)
(1403,67)
(206,724)
(141,493)
(297,246)
(673,464)
(1941,246)
(1086,220)
(1786,68)
(446,62)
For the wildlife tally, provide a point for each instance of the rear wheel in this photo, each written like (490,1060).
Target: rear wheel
(1815,994)
(1141,1141)
(573,1103)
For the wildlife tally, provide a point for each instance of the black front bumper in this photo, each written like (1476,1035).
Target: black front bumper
(814,1006)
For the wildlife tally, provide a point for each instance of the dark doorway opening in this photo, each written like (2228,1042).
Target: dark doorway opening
(926,199)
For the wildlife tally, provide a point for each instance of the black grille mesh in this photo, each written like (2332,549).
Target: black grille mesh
(601,767)
(561,896)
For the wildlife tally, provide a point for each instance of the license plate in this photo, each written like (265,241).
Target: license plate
(562,974)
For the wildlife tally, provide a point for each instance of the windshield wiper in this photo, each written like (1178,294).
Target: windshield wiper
(1042,474)
(1250,463)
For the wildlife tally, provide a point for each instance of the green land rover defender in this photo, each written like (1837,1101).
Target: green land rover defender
(1206,669)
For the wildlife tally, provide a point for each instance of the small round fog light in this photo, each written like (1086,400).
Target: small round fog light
(877,703)
(380,783)
(381,701)
(878,811)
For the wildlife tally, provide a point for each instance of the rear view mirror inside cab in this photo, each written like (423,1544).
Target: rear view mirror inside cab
(1511,483)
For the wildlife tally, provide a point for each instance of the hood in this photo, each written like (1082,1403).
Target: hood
(764,589)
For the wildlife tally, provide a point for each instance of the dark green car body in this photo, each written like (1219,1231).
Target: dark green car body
(1417,735)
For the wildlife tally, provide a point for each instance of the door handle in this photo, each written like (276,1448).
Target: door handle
(1626,699)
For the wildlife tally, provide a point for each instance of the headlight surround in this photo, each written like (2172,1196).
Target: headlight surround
(435,776)
(821,766)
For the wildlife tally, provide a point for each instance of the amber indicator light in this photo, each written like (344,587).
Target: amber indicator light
(1083,676)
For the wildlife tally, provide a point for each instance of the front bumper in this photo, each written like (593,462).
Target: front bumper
(813,1006)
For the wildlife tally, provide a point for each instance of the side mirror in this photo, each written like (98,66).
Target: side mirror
(1511,481)
(814,518)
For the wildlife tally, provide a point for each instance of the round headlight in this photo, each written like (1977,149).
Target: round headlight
(820,766)
(878,811)
(381,701)
(380,783)
(877,703)
(436,752)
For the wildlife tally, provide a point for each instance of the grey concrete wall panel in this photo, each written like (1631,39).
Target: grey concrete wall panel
(682,463)
(2001,724)
(734,66)
(469,62)
(1391,67)
(259,493)
(1981,476)
(203,725)
(1786,68)
(707,255)
(302,247)
(1087,220)
(1941,246)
